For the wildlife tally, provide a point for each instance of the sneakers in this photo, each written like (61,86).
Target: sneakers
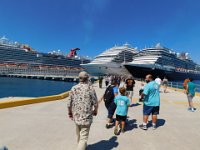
(144,127)
(109,125)
(154,127)
(116,131)
(122,130)
(191,109)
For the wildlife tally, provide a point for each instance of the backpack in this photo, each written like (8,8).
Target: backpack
(109,94)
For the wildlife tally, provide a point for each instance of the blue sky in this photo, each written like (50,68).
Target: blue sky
(95,25)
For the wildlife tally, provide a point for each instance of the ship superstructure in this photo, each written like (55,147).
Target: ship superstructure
(163,62)
(111,61)
(16,58)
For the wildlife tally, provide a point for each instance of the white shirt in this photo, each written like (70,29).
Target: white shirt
(158,80)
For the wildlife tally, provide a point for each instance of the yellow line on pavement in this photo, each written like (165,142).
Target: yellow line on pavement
(14,103)
(186,103)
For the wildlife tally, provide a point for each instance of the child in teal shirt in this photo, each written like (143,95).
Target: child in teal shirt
(122,102)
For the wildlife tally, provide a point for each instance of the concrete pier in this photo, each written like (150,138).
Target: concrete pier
(46,77)
(46,126)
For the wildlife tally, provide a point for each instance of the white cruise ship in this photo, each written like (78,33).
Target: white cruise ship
(163,62)
(111,61)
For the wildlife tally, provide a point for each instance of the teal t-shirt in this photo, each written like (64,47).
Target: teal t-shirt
(122,103)
(152,94)
(191,88)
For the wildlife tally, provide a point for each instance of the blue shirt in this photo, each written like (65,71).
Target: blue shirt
(152,94)
(122,103)
(115,90)
(191,88)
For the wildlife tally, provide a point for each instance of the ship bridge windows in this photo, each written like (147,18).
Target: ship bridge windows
(124,56)
(164,62)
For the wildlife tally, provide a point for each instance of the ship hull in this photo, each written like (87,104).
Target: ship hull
(141,72)
(105,69)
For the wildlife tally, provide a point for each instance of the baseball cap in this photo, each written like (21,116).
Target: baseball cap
(83,75)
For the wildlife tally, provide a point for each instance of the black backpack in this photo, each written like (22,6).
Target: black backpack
(109,94)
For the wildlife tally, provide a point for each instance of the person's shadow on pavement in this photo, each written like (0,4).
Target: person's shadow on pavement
(160,122)
(131,124)
(104,144)
(135,105)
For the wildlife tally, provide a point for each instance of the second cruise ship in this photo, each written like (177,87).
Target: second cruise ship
(163,62)
(111,61)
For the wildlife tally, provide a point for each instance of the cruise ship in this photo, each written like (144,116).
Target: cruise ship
(111,61)
(163,62)
(18,56)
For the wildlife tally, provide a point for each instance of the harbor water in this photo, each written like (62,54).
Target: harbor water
(21,87)
(179,84)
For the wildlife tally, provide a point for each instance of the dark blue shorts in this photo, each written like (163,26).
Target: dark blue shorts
(120,118)
(148,110)
(111,107)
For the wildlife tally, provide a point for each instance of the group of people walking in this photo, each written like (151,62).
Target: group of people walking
(83,105)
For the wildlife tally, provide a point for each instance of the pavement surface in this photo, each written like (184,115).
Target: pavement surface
(46,126)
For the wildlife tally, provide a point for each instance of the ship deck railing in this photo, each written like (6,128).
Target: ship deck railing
(174,84)
(179,85)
